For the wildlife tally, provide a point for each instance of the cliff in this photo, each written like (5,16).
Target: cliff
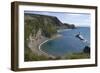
(47,24)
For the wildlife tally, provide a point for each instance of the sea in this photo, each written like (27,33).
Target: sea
(68,42)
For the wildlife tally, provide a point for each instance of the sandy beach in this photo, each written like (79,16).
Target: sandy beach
(35,45)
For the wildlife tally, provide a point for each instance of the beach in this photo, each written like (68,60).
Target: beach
(35,45)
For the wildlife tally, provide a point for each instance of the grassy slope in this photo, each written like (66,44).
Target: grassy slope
(80,55)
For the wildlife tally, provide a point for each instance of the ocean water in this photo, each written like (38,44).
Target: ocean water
(68,43)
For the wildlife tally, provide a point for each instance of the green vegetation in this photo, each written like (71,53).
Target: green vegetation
(30,56)
(78,56)
(81,55)
(49,29)
(35,22)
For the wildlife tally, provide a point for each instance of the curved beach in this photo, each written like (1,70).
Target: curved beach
(35,45)
(40,49)
(43,51)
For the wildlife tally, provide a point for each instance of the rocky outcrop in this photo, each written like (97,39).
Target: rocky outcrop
(86,49)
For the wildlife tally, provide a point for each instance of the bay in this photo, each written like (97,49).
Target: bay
(67,43)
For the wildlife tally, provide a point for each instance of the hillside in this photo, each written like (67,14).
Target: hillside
(48,24)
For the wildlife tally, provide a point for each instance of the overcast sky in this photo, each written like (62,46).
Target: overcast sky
(78,19)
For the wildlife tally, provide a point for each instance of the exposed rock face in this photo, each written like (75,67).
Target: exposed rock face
(86,49)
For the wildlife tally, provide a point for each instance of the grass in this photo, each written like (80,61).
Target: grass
(80,55)
(30,56)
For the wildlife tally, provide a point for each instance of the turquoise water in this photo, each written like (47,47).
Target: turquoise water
(68,43)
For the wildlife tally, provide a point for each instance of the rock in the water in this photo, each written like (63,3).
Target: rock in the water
(86,49)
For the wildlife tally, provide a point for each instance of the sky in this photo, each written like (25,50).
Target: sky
(78,19)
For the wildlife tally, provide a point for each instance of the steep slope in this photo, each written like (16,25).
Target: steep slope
(48,24)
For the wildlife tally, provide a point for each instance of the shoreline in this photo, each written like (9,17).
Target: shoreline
(35,45)
(62,30)
(47,41)
(43,51)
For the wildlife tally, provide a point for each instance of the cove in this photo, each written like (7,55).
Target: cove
(67,43)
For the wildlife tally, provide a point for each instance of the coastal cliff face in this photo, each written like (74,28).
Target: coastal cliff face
(48,24)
